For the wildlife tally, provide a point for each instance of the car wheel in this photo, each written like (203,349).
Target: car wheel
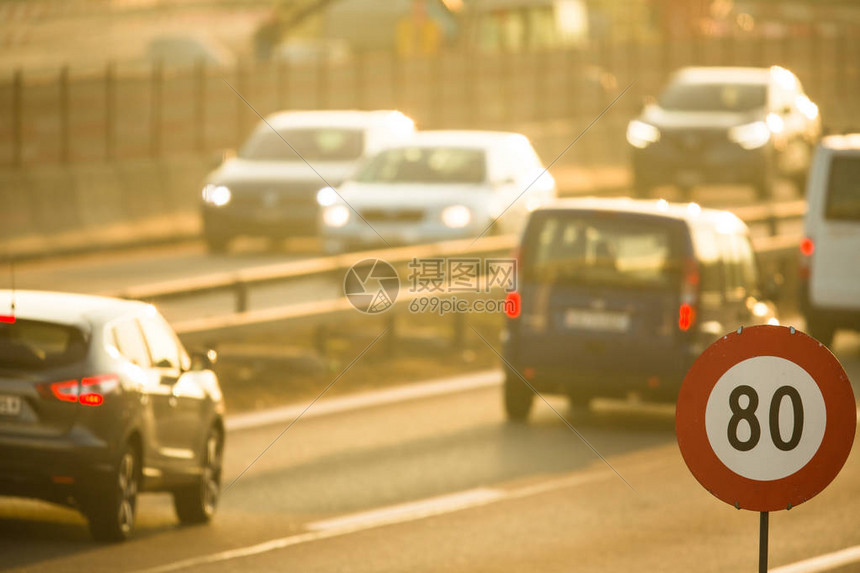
(821,330)
(518,398)
(217,244)
(196,502)
(111,510)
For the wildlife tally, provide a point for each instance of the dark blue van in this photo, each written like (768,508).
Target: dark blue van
(619,297)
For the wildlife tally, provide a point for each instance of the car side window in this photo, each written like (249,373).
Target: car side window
(163,348)
(747,263)
(710,271)
(128,339)
(732,268)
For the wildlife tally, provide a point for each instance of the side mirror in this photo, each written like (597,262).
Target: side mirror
(203,360)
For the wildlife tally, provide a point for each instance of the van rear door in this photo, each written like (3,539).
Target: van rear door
(835,272)
(601,290)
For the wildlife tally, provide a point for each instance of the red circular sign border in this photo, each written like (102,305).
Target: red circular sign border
(807,482)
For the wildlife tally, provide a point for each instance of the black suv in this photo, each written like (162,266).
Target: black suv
(98,401)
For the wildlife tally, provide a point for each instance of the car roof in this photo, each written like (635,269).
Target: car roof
(66,308)
(334,118)
(844,142)
(691,213)
(729,75)
(462,138)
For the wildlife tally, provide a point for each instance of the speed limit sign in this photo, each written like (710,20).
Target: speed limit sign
(765,418)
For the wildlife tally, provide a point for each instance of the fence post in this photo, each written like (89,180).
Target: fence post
(322,78)
(155,115)
(283,85)
(200,105)
(17,119)
(241,290)
(110,112)
(64,113)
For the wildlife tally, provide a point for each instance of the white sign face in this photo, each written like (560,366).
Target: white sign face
(765,418)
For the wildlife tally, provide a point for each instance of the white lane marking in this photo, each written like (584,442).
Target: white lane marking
(401,513)
(822,562)
(410,510)
(483,379)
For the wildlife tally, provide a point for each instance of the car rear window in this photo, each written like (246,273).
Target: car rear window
(319,144)
(36,345)
(426,165)
(603,250)
(682,96)
(843,189)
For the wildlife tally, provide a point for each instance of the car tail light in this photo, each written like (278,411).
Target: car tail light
(89,391)
(7,318)
(513,304)
(804,267)
(689,295)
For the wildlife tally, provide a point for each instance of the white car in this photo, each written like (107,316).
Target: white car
(830,265)
(441,185)
(270,189)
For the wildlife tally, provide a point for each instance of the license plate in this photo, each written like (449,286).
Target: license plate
(10,405)
(597,320)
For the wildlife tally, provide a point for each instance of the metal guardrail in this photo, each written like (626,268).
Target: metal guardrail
(779,252)
(240,282)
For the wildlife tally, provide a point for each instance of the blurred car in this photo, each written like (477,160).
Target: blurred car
(617,298)
(441,185)
(725,125)
(270,189)
(99,401)
(179,50)
(830,251)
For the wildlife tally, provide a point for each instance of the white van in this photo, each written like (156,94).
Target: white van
(830,250)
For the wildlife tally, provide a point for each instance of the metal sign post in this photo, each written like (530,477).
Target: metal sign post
(762,542)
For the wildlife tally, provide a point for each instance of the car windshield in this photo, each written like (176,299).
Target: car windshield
(316,144)
(682,96)
(426,165)
(843,189)
(602,249)
(36,345)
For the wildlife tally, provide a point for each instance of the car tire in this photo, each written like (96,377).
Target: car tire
(217,244)
(821,330)
(196,503)
(111,510)
(518,398)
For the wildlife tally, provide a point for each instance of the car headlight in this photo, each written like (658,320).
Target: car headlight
(217,195)
(336,216)
(750,135)
(456,216)
(641,134)
(327,197)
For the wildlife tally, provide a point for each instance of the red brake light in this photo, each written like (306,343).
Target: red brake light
(92,399)
(512,304)
(89,391)
(66,391)
(7,318)
(686,316)
(807,247)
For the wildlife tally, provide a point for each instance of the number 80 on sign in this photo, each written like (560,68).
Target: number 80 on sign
(765,418)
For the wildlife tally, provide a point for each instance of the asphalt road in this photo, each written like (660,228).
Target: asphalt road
(328,497)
